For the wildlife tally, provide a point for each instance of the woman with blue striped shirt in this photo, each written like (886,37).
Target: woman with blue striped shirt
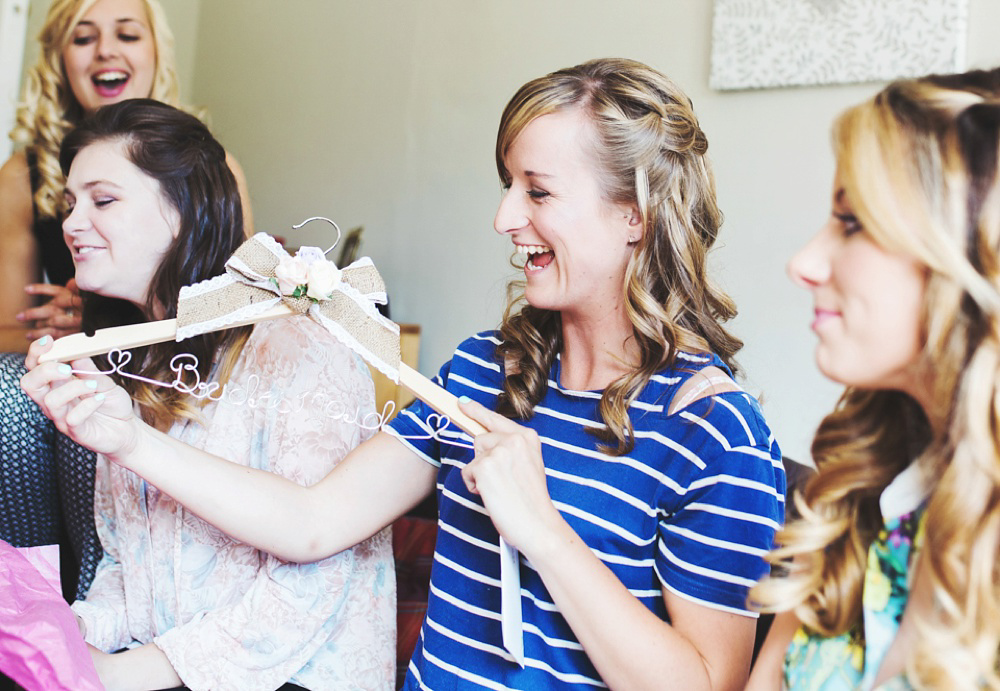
(639,483)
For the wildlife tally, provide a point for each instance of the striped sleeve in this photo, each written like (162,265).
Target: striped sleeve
(714,533)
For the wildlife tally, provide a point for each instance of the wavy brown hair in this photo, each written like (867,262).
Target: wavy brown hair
(177,150)
(49,110)
(919,166)
(650,152)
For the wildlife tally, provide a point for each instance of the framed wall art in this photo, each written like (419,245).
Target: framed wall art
(772,43)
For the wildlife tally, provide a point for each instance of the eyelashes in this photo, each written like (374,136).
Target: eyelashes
(90,38)
(100,203)
(850,222)
(534,193)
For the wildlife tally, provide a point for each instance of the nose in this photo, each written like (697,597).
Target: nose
(107,45)
(511,214)
(810,266)
(76,221)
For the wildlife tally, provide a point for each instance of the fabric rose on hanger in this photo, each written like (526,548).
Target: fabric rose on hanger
(307,274)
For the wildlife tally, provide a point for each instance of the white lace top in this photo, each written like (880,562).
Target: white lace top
(227,615)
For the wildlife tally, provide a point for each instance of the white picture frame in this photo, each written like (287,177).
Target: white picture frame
(774,43)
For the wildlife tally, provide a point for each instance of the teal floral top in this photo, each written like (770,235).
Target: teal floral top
(851,661)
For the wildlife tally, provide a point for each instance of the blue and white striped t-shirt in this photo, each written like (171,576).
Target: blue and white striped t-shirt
(693,508)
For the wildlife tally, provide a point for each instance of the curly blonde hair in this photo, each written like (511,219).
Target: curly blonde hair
(650,152)
(49,110)
(919,165)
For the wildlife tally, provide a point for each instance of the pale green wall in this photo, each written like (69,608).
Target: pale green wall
(384,113)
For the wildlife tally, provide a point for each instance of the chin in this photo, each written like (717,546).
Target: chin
(101,290)
(853,377)
(91,284)
(829,369)
(84,285)
(539,300)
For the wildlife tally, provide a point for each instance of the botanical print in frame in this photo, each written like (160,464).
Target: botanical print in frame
(766,43)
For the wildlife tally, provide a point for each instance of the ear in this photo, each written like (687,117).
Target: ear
(633,227)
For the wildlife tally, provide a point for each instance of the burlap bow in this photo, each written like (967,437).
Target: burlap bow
(247,290)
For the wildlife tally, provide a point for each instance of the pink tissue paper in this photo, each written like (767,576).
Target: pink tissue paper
(40,643)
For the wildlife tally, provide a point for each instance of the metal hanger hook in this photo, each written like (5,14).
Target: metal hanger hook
(322,218)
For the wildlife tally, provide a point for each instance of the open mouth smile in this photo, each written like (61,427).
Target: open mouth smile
(110,83)
(539,256)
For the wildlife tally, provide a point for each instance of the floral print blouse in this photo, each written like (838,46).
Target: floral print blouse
(851,660)
(226,615)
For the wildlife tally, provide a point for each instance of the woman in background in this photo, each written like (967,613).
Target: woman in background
(93,52)
(203,608)
(894,569)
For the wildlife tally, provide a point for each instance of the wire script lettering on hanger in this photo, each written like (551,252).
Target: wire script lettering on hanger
(187,380)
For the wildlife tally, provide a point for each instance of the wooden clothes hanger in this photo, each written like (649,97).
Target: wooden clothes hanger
(80,345)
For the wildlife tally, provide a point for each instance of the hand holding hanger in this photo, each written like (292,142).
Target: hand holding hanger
(250,292)
(85,405)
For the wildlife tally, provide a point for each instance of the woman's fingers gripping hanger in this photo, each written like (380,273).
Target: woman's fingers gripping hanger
(84,404)
(494,424)
(509,474)
(483,441)
(54,388)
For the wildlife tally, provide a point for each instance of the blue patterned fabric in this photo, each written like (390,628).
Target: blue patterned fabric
(46,484)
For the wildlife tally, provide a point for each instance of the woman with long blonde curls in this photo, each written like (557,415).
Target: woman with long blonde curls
(92,53)
(893,568)
(639,483)
(653,154)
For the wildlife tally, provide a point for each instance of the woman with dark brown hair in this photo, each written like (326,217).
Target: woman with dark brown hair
(91,53)
(153,206)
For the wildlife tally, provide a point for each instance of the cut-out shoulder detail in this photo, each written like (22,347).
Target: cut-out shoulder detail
(705,383)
